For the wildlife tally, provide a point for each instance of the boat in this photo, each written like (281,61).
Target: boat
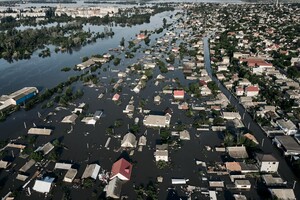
(100,96)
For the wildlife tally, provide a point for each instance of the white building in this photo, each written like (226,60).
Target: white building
(157,120)
(267,163)
(287,126)
(242,184)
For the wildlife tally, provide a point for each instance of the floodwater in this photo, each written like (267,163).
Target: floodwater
(45,72)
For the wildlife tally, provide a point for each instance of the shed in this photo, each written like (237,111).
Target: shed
(91,171)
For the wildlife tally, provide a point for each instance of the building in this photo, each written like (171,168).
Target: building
(237,152)
(20,96)
(116,97)
(43,186)
(70,175)
(239,91)
(288,144)
(4,164)
(283,193)
(267,163)
(273,181)
(231,115)
(70,119)
(233,167)
(121,169)
(242,184)
(251,91)
(178,94)
(129,141)
(161,153)
(39,131)
(114,188)
(91,171)
(287,126)
(157,120)
(184,135)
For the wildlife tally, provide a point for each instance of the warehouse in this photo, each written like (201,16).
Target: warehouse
(22,95)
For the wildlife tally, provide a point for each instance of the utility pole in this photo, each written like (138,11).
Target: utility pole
(295,182)
(262,142)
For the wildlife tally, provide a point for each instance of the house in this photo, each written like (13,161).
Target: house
(85,64)
(47,148)
(161,153)
(157,120)
(239,91)
(178,94)
(129,141)
(142,141)
(233,166)
(231,115)
(114,188)
(157,99)
(129,109)
(251,91)
(283,193)
(121,169)
(39,131)
(43,186)
(288,144)
(4,164)
(184,135)
(267,163)
(273,181)
(70,119)
(237,152)
(141,36)
(242,184)
(70,175)
(248,168)
(287,126)
(205,91)
(116,97)
(91,171)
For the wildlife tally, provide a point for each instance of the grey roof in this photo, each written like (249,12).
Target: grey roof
(70,119)
(283,193)
(71,173)
(47,148)
(270,180)
(91,171)
(3,164)
(242,182)
(266,157)
(39,131)
(114,188)
(288,143)
(237,152)
(27,165)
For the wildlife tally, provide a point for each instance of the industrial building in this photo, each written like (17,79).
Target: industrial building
(157,120)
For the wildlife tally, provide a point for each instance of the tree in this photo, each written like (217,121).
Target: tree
(164,22)
(218,121)
(122,43)
(37,156)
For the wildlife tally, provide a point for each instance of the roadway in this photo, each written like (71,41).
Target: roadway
(284,169)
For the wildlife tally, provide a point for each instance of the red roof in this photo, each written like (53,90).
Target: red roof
(122,168)
(252,89)
(116,97)
(178,92)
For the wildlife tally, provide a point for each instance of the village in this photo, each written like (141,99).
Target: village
(184,112)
